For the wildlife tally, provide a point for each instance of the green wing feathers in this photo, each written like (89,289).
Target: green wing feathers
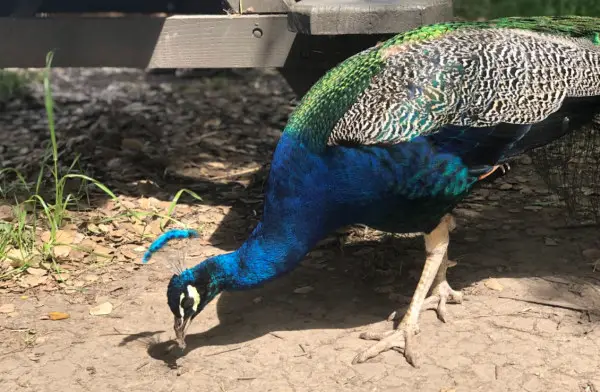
(438,74)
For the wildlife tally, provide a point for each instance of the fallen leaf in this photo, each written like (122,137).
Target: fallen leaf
(36,271)
(32,281)
(93,228)
(104,228)
(61,277)
(304,290)
(91,278)
(58,316)
(61,251)
(102,309)
(550,242)
(532,208)
(17,257)
(384,289)
(591,254)
(6,213)
(103,251)
(526,160)
(7,308)
(64,237)
(154,228)
(493,284)
(132,144)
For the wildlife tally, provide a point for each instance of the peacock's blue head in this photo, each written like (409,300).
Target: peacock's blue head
(190,291)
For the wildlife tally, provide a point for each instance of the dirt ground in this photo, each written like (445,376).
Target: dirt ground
(147,137)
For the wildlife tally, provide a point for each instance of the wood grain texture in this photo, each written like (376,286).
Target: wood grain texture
(199,41)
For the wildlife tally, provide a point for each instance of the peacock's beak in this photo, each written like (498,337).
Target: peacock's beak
(180,326)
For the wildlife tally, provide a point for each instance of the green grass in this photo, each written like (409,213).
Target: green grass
(15,84)
(50,210)
(489,9)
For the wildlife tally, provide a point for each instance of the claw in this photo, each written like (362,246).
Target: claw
(400,340)
(442,294)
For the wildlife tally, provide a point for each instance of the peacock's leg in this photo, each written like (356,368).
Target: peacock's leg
(442,293)
(436,245)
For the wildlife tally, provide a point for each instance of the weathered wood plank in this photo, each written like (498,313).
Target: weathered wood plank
(199,41)
(334,17)
(260,6)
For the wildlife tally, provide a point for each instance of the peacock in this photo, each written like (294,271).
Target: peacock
(395,137)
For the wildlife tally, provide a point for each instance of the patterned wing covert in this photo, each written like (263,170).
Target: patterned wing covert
(470,77)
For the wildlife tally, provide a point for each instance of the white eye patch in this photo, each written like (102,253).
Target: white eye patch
(193,293)
(181,297)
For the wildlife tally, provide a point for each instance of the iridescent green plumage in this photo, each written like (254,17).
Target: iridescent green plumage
(334,94)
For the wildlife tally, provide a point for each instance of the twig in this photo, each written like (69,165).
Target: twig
(553,304)
(141,366)
(246,378)
(18,329)
(577,226)
(277,336)
(10,352)
(236,174)
(223,352)
(556,280)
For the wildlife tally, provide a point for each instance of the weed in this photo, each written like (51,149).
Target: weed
(14,84)
(18,245)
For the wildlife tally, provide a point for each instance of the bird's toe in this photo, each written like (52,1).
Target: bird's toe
(400,340)
(442,294)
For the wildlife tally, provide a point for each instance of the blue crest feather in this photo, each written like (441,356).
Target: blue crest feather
(167,236)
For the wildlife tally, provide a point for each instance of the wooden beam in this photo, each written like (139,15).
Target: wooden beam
(260,6)
(198,41)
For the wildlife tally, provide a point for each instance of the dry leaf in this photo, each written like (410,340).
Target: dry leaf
(93,228)
(154,228)
(550,242)
(91,278)
(6,213)
(103,251)
(591,254)
(128,254)
(104,228)
(61,251)
(493,284)
(32,281)
(17,257)
(304,290)
(102,309)
(64,237)
(7,308)
(58,316)
(36,271)
(132,144)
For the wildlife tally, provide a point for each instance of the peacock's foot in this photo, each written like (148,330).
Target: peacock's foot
(401,340)
(441,295)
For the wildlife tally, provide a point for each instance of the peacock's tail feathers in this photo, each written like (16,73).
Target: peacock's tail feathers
(514,70)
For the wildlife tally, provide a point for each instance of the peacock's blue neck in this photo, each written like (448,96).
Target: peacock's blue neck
(398,188)
(266,254)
